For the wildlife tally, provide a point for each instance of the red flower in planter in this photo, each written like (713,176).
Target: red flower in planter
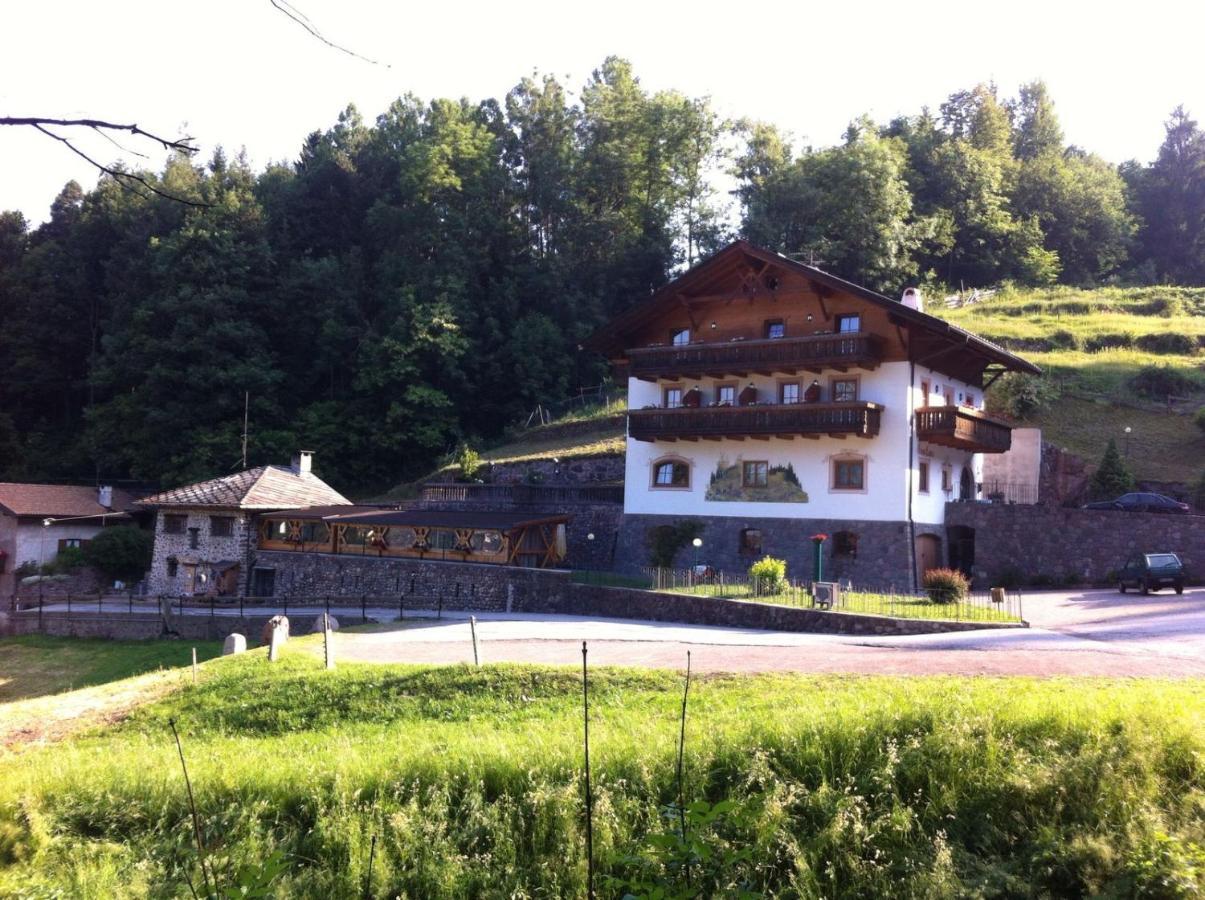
(819,538)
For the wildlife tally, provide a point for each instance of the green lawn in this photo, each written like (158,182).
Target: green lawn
(35,665)
(897,605)
(471,782)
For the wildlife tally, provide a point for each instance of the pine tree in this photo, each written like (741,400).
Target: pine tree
(1112,477)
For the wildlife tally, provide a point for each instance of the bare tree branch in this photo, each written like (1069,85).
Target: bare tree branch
(108,137)
(300,18)
(182,145)
(119,176)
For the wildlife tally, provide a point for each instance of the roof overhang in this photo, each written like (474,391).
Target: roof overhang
(614,338)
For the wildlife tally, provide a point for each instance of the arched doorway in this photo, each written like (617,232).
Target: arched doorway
(961,539)
(966,484)
(928,554)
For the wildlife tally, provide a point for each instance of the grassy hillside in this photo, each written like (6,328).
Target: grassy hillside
(1092,345)
(471,782)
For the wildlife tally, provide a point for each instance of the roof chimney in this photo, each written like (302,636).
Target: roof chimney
(303,462)
(912,299)
(104,496)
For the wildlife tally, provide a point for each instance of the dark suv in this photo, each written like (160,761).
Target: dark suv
(1141,502)
(1148,572)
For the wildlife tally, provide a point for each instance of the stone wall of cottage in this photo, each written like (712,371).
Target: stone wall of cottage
(1053,545)
(210,548)
(882,561)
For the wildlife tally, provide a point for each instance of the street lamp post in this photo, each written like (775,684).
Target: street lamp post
(1128,430)
(590,560)
(46,523)
(697,543)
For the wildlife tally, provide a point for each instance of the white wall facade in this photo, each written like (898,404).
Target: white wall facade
(887,476)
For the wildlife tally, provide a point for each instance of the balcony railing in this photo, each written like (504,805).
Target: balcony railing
(963,429)
(767,357)
(786,420)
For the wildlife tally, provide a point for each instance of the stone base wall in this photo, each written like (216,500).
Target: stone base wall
(473,586)
(1047,544)
(883,560)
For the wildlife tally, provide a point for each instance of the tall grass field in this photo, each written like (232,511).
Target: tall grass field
(433,782)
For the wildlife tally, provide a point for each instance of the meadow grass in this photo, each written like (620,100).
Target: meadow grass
(470,779)
(1098,400)
(36,665)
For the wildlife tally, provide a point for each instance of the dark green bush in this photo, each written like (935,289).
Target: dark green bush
(1023,395)
(66,560)
(121,552)
(1167,342)
(1109,340)
(1065,340)
(665,541)
(1161,381)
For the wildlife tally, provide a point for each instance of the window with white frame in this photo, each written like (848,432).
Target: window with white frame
(845,390)
(848,473)
(671,473)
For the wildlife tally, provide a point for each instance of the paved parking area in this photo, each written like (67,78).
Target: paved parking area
(1091,632)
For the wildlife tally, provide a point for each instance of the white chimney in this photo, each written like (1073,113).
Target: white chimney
(303,462)
(104,496)
(912,299)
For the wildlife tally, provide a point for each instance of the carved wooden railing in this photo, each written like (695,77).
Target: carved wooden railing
(964,429)
(739,358)
(788,420)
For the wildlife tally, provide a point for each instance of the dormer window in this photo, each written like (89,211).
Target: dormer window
(847,324)
(680,338)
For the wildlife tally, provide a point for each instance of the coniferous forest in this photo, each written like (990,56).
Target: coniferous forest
(425,278)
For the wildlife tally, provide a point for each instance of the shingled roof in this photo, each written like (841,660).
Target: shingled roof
(264,487)
(58,500)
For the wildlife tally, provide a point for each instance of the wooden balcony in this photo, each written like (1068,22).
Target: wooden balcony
(809,420)
(764,357)
(963,429)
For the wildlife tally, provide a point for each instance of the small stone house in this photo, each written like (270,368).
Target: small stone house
(39,520)
(204,532)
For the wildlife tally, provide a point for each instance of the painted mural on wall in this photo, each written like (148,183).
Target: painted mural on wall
(755,480)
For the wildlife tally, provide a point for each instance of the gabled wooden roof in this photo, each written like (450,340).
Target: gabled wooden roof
(262,488)
(930,336)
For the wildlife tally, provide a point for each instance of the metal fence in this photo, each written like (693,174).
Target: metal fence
(1010,492)
(431,596)
(976,606)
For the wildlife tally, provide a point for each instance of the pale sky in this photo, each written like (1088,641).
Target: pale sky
(240,74)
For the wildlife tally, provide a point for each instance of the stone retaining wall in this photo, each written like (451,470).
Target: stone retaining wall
(1051,543)
(631,603)
(471,585)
